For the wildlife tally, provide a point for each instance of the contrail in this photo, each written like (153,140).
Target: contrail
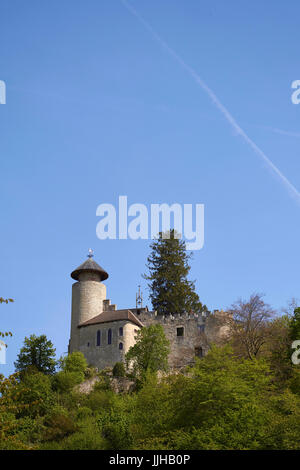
(283,132)
(228,116)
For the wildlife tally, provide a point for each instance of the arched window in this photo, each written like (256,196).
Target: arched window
(109,337)
(121,346)
(98,338)
(121,331)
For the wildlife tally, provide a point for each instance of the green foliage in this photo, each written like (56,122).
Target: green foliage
(65,381)
(75,362)
(74,368)
(87,437)
(6,301)
(34,391)
(295,325)
(114,425)
(294,382)
(84,412)
(39,352)
(278,349)
(103,382)
(168,266)
(119,369)
(223,402)
(59,424)
(6,333)
(99,400)
(150,352)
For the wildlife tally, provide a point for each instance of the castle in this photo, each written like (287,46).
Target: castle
(104,334)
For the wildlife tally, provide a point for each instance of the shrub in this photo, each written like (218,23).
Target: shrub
(65,381)
(87,438)
(84,412)
(114,426)
(99,400)
(103,383)
(74,362)
(90,372)
(35,395)
(119,369)
(58,425)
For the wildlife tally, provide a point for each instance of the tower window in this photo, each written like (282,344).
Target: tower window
(109,334)
(199,352)
(180,331)
(98,338)
(121,331)
(120,346)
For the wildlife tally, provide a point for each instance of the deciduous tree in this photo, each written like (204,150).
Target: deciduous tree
(150,352)
(39,352)
(249,324)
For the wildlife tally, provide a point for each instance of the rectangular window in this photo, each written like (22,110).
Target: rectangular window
(121,331)
(180,331)
(199,352)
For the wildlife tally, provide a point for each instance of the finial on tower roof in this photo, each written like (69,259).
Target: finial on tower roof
(91,253)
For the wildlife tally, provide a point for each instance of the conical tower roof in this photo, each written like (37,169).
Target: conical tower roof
(89,266)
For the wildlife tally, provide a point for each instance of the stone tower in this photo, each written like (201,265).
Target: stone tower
(88,294)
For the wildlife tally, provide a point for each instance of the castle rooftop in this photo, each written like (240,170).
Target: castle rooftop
(113,315)
(89,266)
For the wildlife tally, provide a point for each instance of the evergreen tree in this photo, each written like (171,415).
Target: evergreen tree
(295,325)
(37,352)
(168,265)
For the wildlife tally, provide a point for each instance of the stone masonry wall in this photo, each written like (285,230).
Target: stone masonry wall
(106,355)
(199,332)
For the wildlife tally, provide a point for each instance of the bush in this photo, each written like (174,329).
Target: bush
(99,400)
(90,372)
(103,383)
(84,412)
(74,362)
(87,438)
(65,381)
(114,426)
(58,425)
(119,369)
(34,394)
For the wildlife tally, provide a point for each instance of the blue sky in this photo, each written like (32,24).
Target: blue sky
(97,108)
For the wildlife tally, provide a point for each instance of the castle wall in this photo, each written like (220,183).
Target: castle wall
(199,332)
(106,355)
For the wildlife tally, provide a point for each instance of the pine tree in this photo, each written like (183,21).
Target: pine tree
(168,265)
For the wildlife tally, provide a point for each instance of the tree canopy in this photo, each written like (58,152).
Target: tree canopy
(37,352)
(249,326)
(150,352)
